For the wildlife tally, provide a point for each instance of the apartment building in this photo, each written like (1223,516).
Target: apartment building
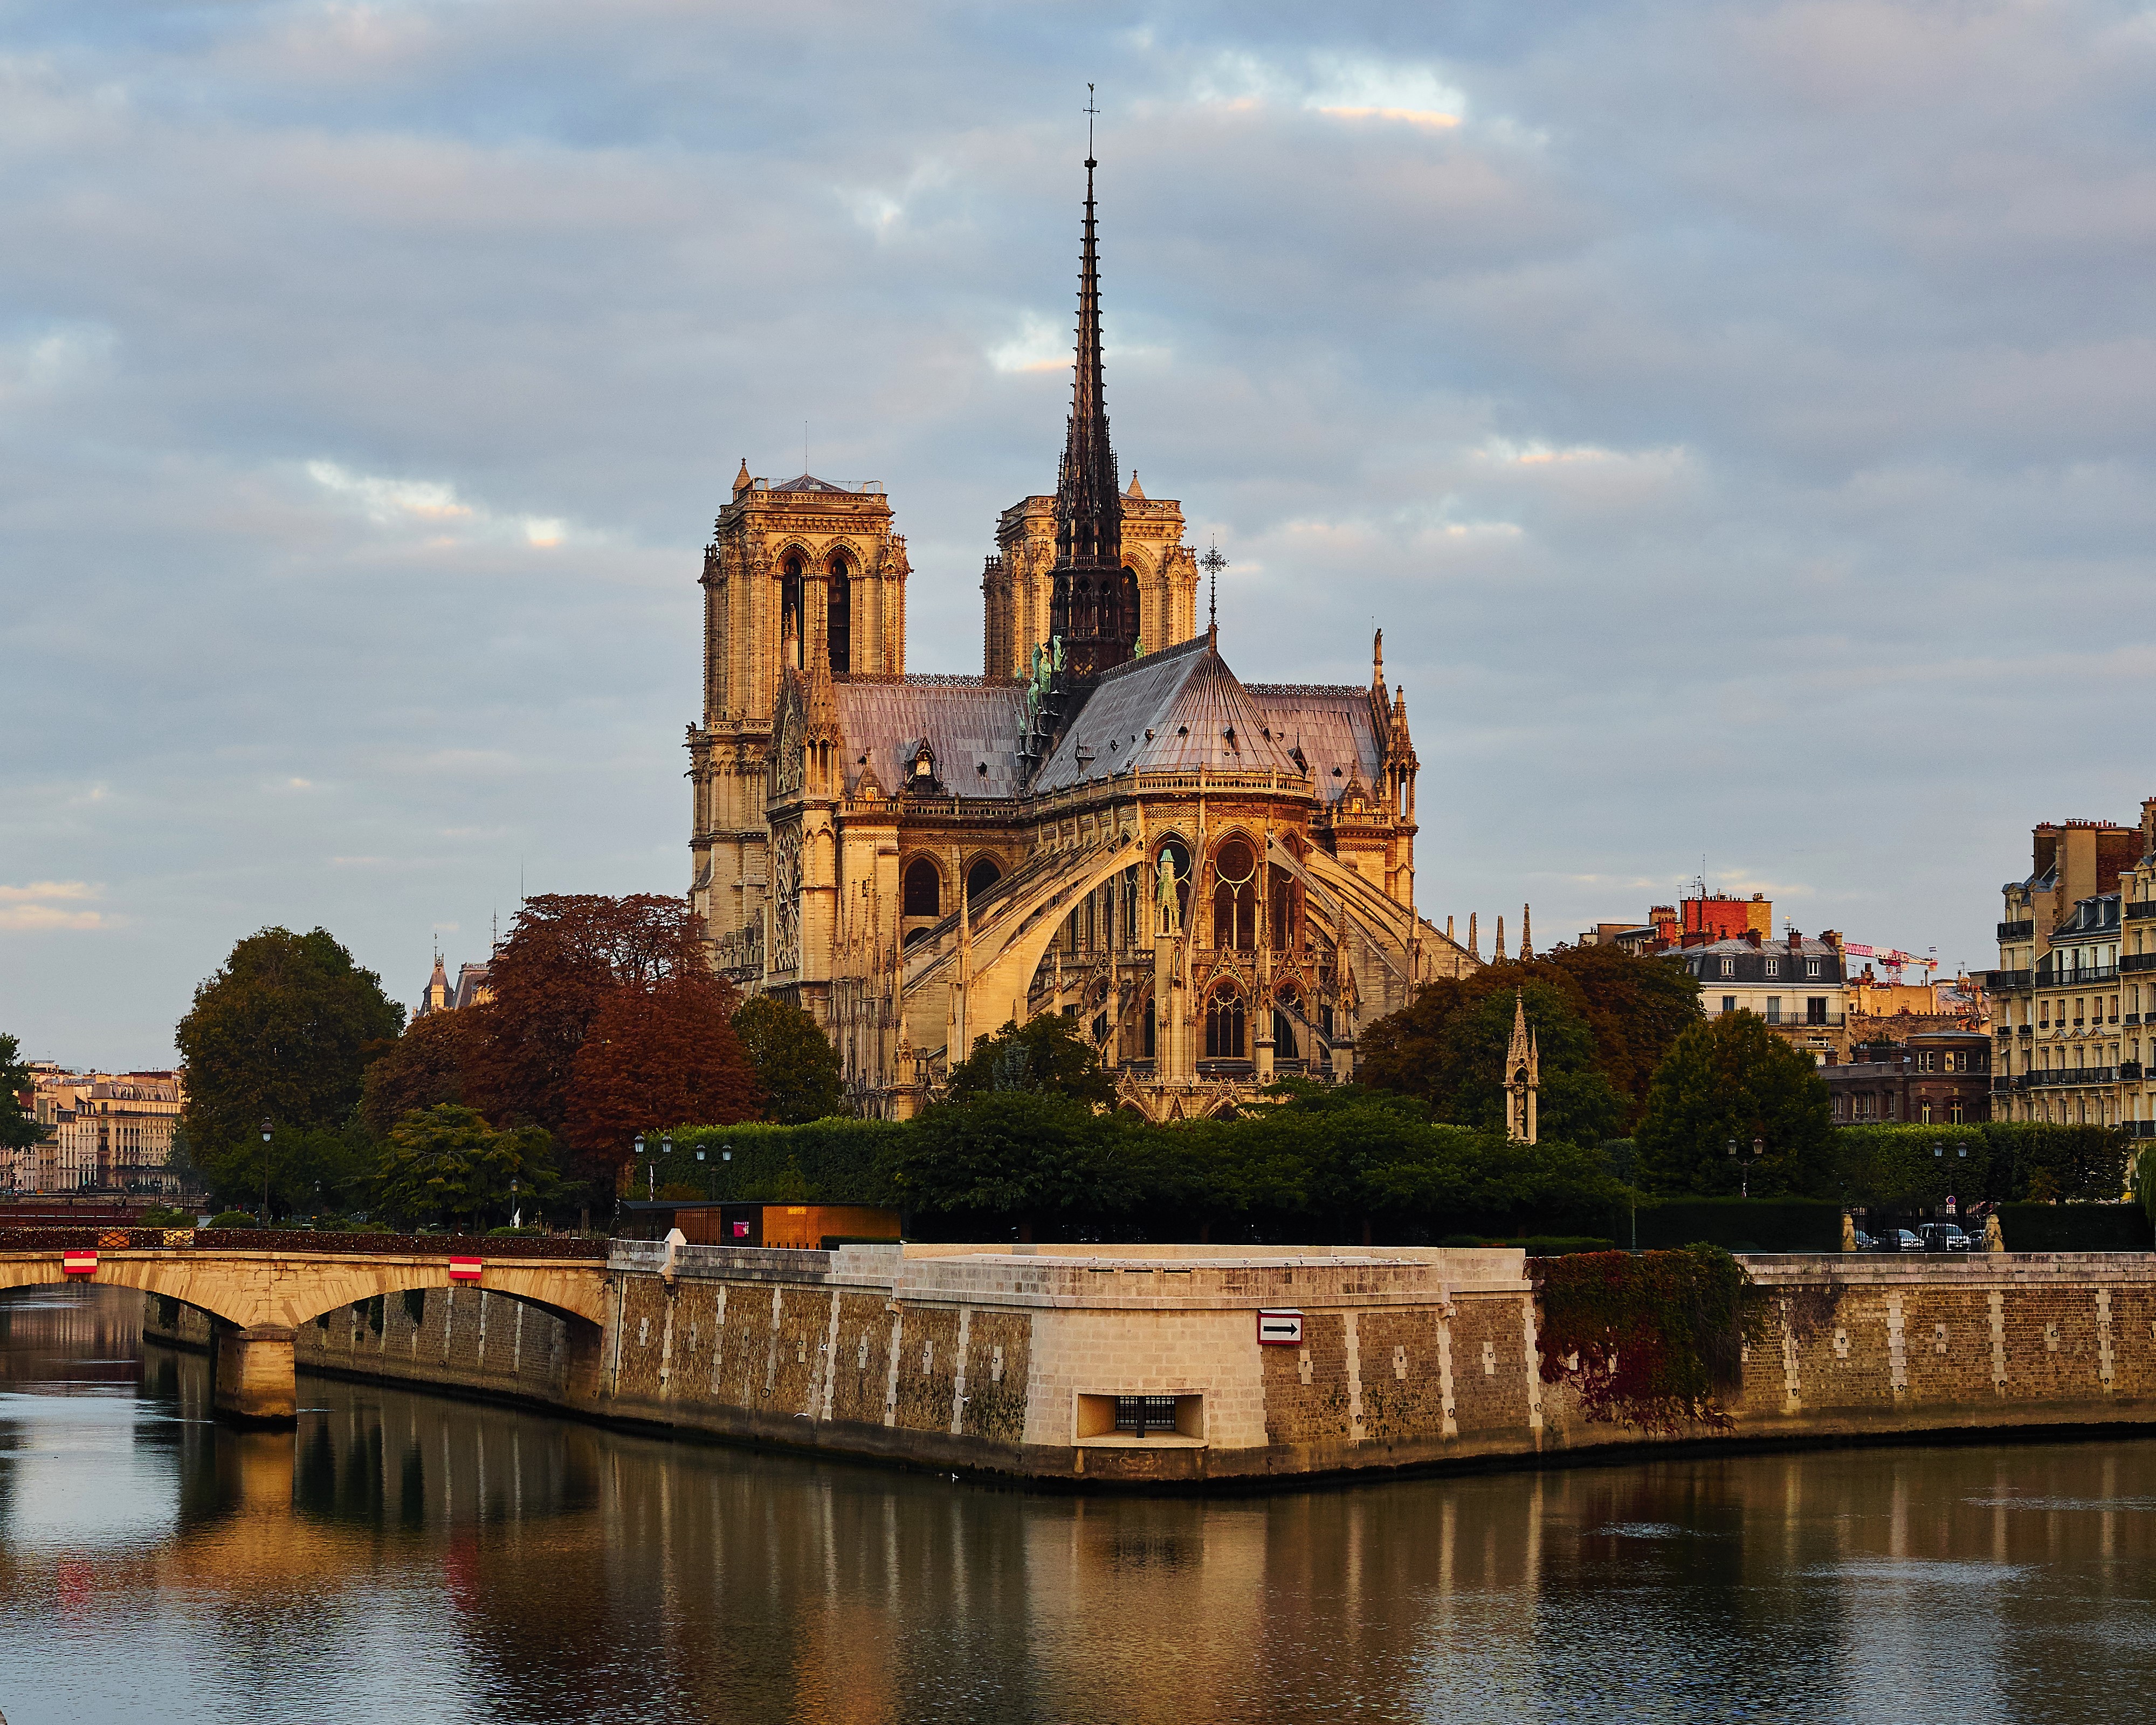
(2074,985)
(105,1131)
(1794,985)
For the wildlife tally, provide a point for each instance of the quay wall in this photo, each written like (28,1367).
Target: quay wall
(1007,1361)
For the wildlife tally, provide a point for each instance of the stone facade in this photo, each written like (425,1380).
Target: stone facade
(915,860)
(1007,1363)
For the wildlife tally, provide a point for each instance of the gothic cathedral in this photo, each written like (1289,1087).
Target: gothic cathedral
(1214,879)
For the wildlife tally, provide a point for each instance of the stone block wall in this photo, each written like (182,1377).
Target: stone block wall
(981,1359)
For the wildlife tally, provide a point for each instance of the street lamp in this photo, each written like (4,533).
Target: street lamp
(265,1170)
(1744,1168)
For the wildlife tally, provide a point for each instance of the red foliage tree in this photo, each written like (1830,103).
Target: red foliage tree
(659,1057)
(566,957)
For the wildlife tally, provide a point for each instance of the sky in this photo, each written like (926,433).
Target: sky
(1740,418)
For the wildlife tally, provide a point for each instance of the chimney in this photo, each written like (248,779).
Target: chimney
(1752,938)
(1796,941)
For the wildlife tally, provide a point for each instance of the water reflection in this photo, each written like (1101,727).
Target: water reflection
(409,1556)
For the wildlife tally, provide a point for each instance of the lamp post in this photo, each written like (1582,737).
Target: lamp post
(1743,1168)
(265,1170)
(648,1166)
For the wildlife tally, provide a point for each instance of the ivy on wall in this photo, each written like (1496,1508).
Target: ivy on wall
(1651,1340)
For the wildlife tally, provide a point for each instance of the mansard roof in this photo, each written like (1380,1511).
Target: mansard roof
(1333,727)
(968,722)
(1173,711)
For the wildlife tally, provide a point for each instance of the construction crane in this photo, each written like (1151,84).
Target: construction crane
(1891,959)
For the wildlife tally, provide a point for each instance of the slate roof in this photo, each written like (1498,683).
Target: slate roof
(966,726)
(810,482)
(1332,725)
(1172,711)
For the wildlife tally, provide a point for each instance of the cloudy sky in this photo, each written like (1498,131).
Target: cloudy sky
(1738,417)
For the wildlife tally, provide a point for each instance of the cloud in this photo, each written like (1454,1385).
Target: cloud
(44,905)
(1696,394)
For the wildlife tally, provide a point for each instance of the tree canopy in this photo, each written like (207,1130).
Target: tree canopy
(423,1067)
(1635,1007)
(1020,1153)
(1731,1078)
(794,1061)
(283,1030)
(1046,1053)
(655,1056)
(18,1130)
(567,956)
(1447,1047)
(446,1165)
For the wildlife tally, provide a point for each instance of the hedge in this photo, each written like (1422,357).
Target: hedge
(2074,1228)
(837,1160)
(1754,1224)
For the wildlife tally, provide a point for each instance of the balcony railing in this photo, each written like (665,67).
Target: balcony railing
(2000,1086)
(2137,961)
(2129,1071)
(2017,931)
(2024,1030)
(2081,979)
(2008,981)
(2139,1128)
(2072,1076)
(2140,909)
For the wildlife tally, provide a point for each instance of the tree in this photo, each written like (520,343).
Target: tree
(283,1030)
(1448,1047)
(1033,1156)
(567,956)
(1635,1007)
(659,1057)
(309,1169)
(446,1165)
(794,1061)
(1730,1078)
(18,1130)
(420,1069)
(1046,1053)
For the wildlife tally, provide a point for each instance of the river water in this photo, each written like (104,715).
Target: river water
(412,1557)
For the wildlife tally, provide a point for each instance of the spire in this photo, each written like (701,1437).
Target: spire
(1088,607)
(1497,946)
(741,481)
(1516,1056)
(1378,660)
(1472,951)
(1527,933)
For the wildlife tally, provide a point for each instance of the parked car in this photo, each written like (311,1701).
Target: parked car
(1944,1237)
(1897,1240)
(1865,1242)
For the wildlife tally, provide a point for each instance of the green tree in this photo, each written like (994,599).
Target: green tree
(794,1061)
(1730,1078)
(284,1030)
(1046,1053)
(310,1169)
(18,1130)
(446,1165)
(1036,1158)
(1448,1047)
(1635,1007)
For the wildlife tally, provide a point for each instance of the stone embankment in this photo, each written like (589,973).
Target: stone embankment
(1031,1363)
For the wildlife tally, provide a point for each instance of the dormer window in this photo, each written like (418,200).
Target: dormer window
(1729,967)
(1774,966)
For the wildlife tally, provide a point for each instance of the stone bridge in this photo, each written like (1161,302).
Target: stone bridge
(256,1300)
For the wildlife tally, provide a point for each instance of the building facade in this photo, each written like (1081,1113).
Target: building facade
(2073,990)
(1214,879)
(1935,1078)
(105,1131)
(1794,985)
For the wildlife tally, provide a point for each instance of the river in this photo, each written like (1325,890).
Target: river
(412,1558)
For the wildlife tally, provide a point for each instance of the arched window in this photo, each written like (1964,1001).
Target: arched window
(924,889)
(789,603)
(1286,1047)
(1282,933)
(1128,596)
(980,878)
(1234,895)
(1151,1029)
(838,618)
(1224,1028)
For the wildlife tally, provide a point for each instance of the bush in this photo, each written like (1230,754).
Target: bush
(2074,1228)
(1651,1340)
(1538,1246)
(524,1233)
(1758,1225)
(233,1219)
(822,1162)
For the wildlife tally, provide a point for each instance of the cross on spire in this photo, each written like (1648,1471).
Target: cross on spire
(1090,112)
(1213,563)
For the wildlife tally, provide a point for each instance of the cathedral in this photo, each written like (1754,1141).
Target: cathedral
(1214,880)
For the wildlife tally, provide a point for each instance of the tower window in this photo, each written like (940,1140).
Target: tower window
(924,889)
(1224,1028)
(838,627)
(789,608)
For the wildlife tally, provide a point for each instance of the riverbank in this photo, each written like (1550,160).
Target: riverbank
(1145,1366)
